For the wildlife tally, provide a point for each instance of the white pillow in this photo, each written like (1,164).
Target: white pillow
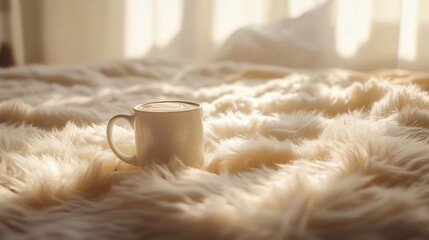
(294,42)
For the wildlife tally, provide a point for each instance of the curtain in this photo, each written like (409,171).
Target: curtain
(6,54)
(360,35)
(80,31)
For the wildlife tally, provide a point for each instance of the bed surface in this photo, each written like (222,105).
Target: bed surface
(290,154)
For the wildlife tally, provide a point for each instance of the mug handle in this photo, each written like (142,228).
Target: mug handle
(119,154)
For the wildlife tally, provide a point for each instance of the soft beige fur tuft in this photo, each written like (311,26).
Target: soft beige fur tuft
(327,154)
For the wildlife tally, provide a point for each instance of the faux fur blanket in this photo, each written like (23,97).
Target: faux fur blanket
(290,154)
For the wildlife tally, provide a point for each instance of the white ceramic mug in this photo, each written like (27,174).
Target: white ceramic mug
(165,131)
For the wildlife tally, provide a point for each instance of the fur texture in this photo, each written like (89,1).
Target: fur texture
(327,154)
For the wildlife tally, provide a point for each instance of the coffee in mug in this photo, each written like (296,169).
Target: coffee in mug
(165,132)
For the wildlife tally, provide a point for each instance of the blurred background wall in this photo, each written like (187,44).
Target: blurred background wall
(71,31)
(81,31)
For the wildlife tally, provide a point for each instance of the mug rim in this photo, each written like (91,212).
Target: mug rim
(197,106)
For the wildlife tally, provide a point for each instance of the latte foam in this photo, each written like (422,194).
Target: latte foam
(167,106)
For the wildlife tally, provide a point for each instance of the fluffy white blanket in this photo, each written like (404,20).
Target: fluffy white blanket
(290,154)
